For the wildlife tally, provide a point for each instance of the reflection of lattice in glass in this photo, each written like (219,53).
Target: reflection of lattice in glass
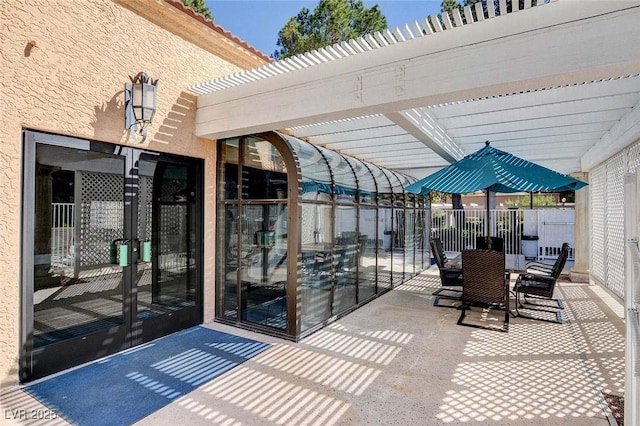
(309,219)
(613,369)
(101,215)
(569,293)
(520,390)
(583,310)
(172,189)
(603,337)
(531,338)
(172,238)
(93,281)
(145,202)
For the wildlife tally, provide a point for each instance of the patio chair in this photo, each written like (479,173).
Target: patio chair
(490,243)
(485,284)
(543,267)
(541,287)
(450,276)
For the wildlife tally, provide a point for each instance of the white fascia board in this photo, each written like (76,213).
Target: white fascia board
(476,61)
(622,134)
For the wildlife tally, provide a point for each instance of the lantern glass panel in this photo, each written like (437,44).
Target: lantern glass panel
(136,100)
(148,101)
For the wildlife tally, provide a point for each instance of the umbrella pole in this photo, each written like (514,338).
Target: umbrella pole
(531,200)
(488,208)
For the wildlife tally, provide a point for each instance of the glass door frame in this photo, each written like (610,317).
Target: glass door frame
(292,329)
(47,359)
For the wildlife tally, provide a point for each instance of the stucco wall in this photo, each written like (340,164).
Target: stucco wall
(71,83)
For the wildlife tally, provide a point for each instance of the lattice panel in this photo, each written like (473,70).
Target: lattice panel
(614,220)
(597,189)
(633,157)
(101,215)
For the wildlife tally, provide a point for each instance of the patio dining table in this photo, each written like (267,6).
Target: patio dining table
(514,263)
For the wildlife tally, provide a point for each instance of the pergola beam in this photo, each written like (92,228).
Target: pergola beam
(526,52)
(621,134)
(422,127)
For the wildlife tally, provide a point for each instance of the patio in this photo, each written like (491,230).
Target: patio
(399,359)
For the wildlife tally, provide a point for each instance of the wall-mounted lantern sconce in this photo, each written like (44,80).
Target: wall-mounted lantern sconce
(139,104)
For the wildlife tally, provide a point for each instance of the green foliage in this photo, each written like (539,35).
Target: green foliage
(449,5)
(332,21)
(539,200)
(199,6)
(438,197)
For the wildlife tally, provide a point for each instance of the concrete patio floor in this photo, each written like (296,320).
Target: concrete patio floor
(401,361)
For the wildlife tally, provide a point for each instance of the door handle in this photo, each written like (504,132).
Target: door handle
(141,251)
(123,252)
(119,252)
(146,251)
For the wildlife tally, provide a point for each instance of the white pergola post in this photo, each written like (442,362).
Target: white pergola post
(582,245)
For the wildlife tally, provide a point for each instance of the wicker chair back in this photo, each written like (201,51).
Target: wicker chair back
(483,273)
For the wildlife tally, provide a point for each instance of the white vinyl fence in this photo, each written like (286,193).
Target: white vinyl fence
(63,225)
(544,230)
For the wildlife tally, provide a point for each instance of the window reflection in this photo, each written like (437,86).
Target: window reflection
(228,173)
(368,249)
(315,268)
(263,265)
(384,256)
(315,174)
(264,175)
(358,232)
(228,253)
(345,252)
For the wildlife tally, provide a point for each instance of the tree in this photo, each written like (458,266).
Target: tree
(199,6)
(332,21)
(449,5)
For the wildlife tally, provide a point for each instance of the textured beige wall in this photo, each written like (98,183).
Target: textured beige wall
(71,83)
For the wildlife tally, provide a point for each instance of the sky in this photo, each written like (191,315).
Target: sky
(258,21)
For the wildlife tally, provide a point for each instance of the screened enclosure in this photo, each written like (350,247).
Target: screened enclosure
(306,234)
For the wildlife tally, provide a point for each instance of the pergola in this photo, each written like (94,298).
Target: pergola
(558,84)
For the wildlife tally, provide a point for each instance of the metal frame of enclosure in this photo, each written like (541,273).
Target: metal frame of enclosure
(306,235)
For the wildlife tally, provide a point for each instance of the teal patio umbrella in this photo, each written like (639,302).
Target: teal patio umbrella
(493,170)
(490,169)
